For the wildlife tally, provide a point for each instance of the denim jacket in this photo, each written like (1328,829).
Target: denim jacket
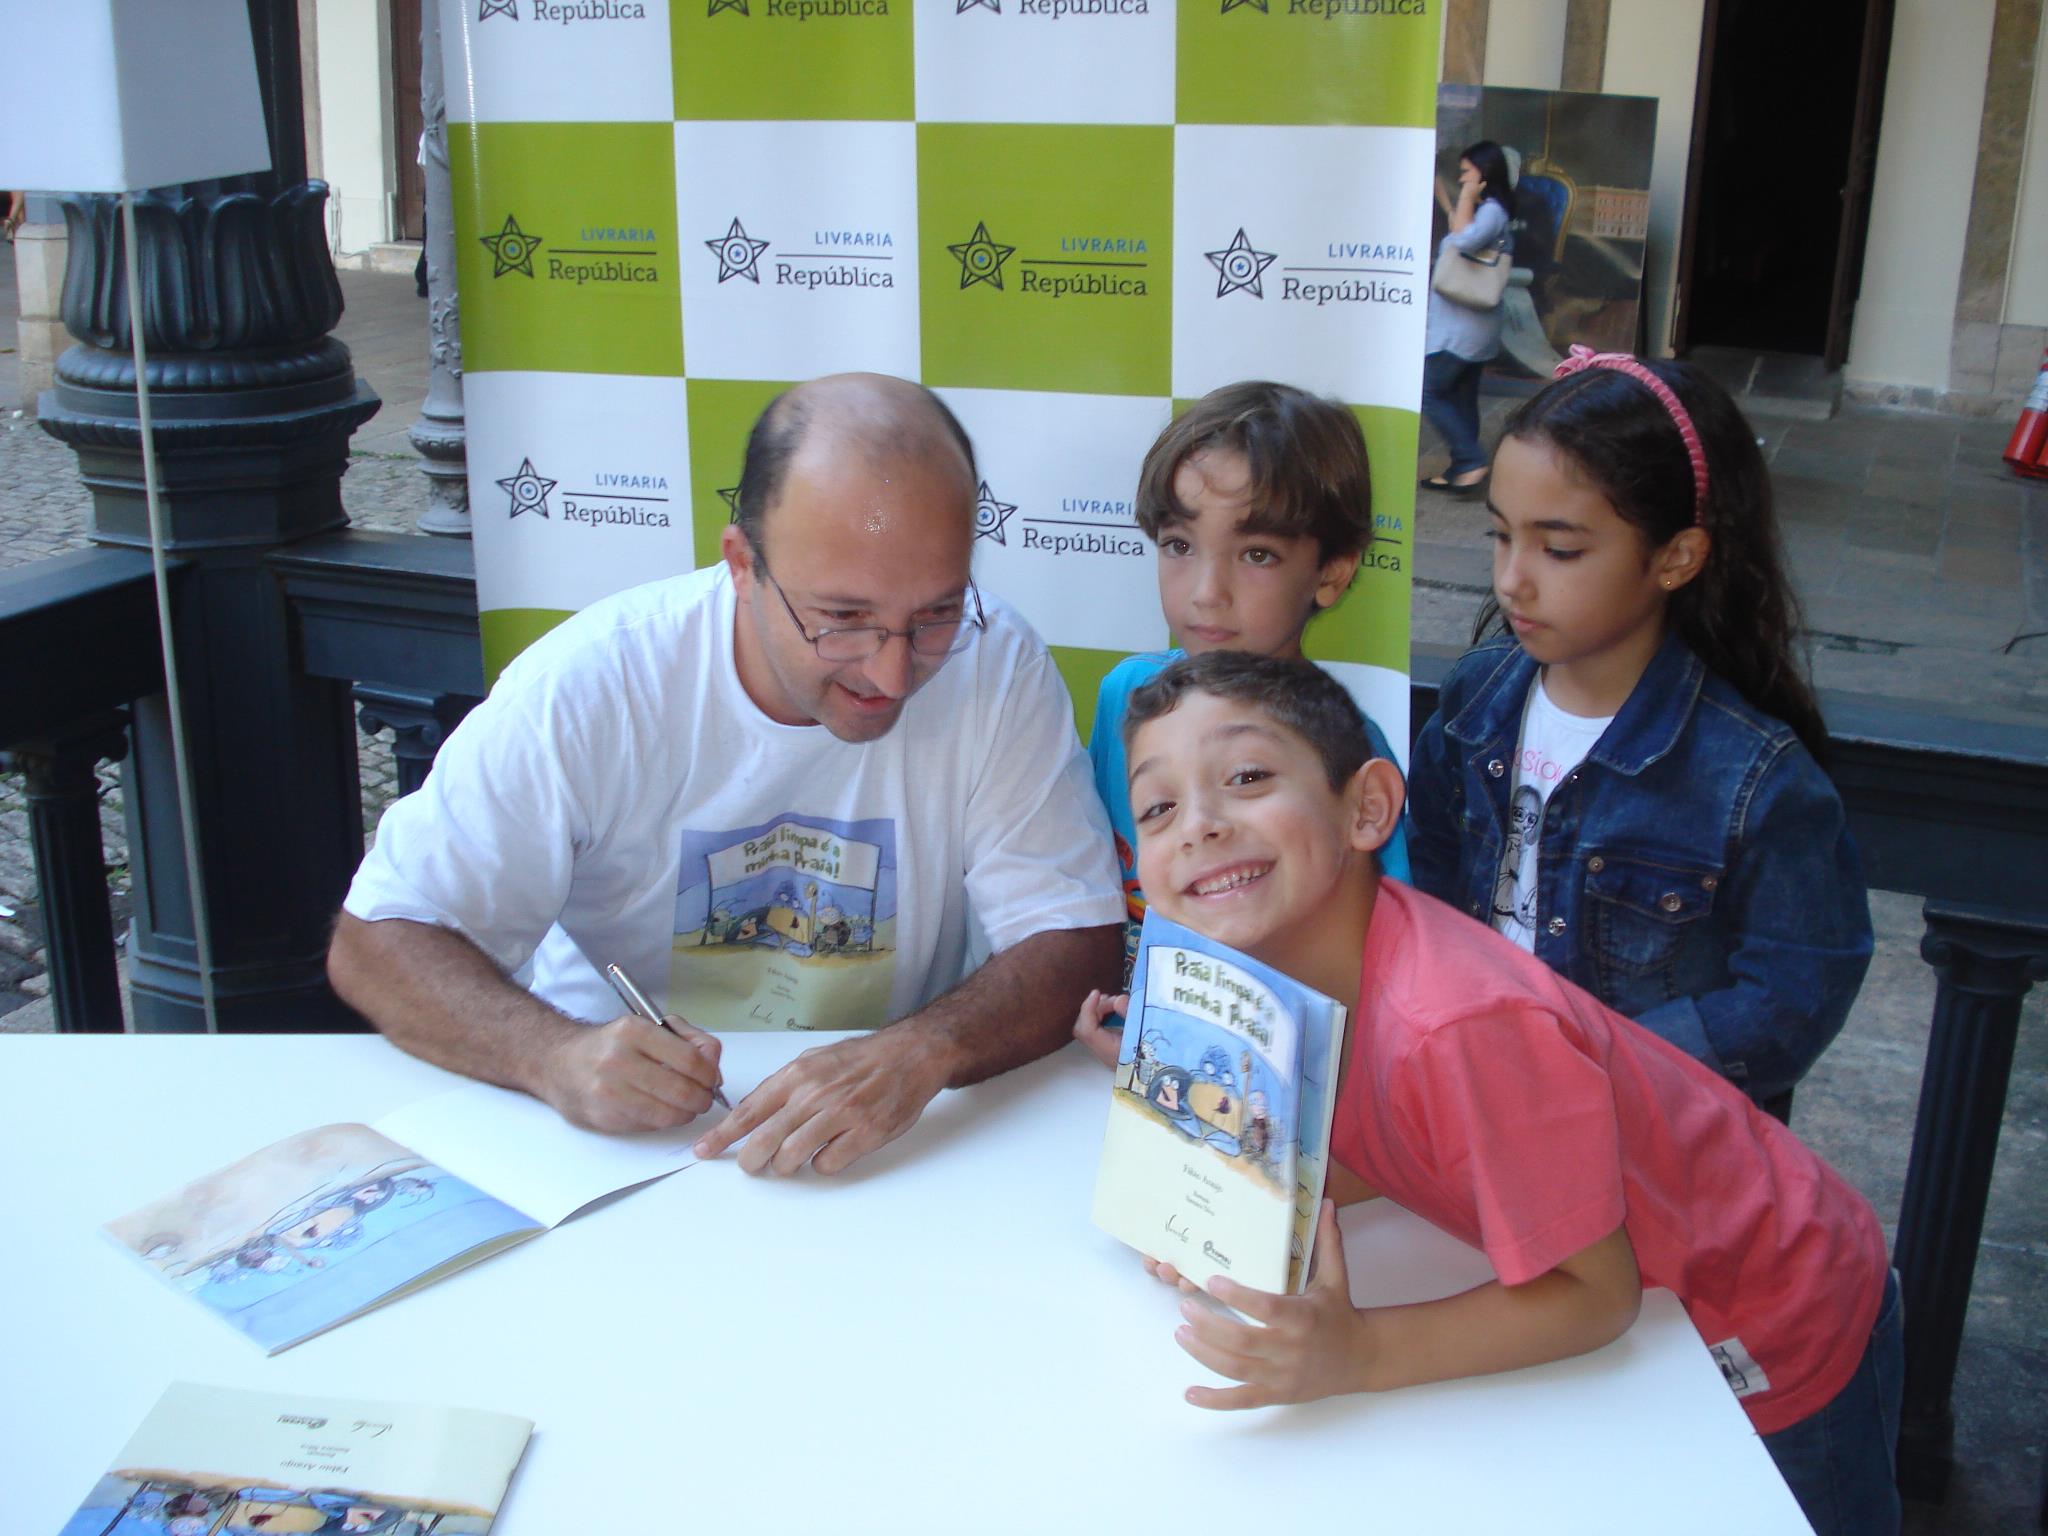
(1694,872)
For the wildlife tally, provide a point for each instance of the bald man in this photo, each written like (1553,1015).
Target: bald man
(779,792)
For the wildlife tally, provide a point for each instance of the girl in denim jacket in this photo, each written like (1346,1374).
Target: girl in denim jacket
(1623,778)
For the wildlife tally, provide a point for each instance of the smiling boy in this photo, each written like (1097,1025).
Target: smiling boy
(1585,1157)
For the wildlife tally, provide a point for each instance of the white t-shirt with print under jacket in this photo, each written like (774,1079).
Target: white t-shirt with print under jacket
(1553,744)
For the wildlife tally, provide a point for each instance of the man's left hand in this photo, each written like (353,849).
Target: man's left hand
(832,1106)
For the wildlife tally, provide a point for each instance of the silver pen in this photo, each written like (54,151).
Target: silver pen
(636,1001)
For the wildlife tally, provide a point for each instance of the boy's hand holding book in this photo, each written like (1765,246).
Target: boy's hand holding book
(1295,1349)
(1103,1043)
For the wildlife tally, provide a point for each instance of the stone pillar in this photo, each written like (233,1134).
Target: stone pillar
(1464,61)
(253,404)
(39,272)
(1585,45)
(440,434)
(1985,962)
(1977,348)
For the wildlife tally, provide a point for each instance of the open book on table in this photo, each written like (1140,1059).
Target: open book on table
(328,1223)
(211,1459)
(1219,1117)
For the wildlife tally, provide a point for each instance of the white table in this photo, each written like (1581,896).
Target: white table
(939,1341)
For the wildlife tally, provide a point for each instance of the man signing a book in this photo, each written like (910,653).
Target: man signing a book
(778,792)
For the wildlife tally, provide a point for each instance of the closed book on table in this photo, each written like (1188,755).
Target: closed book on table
(214,1461)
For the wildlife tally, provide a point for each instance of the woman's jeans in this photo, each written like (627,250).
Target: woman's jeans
(1450,404)
(1841,1462)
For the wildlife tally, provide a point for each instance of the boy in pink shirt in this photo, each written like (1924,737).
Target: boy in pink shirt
(1583,1155)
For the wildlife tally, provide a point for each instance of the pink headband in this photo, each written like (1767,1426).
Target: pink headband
(1584,357)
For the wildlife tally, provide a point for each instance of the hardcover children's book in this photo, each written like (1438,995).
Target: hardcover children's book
(210,1461)
(326,1224)
(1219,1117)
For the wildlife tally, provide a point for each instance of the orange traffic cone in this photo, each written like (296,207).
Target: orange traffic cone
(2024,450)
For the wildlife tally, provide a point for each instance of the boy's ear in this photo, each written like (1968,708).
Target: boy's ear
(1372,801)
(1334,578)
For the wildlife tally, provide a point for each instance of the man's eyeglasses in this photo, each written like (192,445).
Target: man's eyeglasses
(933,638)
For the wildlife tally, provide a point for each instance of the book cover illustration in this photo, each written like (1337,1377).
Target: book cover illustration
(210,1461)
(313,1230)
(790,924)
(1222,1076)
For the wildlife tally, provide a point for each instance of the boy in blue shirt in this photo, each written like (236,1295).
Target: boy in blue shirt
(1259,498)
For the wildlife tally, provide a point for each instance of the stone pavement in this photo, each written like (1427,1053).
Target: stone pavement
(1920,560)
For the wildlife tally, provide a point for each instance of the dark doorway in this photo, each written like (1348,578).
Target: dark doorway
(1778,197)
(406,120)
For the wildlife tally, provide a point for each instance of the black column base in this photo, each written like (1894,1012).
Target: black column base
(287,997)
(250,450)
(1985,960)
(1927,1447)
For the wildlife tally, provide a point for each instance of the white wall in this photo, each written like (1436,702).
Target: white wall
(2026,293)
(1926,163)
(355,120)
(1525,44)
(1653,49)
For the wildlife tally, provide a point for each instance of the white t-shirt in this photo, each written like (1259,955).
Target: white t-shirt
(619,797)
(1553,744)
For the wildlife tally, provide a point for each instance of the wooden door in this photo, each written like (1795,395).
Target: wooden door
(1777,203)
(406,120)
(1688,222)
(1856,190)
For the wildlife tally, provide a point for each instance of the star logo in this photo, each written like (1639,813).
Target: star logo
(962,7)
(528,489)
(730,495)
(737,251)
(728,5)
(489,8)
(511,248)
(1257,5)
(1238,266)
(981,259)
(990,515)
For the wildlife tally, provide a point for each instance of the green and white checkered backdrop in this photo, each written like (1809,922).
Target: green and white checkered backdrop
(1069,217)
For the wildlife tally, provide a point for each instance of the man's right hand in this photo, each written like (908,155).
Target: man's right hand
(630,1075)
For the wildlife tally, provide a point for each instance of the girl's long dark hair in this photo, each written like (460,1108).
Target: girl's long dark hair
(1491,162)
(1739,615)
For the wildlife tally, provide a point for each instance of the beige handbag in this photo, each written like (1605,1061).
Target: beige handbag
(1473,281)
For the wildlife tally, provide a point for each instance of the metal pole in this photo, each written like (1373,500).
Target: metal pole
(440,434)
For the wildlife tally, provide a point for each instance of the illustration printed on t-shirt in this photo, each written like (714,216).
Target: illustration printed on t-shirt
(787,925)
(1514,889)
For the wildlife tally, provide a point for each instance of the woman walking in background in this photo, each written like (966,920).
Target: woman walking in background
(1458,341)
